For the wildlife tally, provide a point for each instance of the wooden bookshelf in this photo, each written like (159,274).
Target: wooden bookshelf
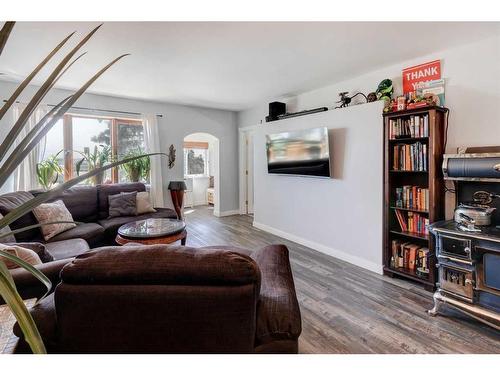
(430,179)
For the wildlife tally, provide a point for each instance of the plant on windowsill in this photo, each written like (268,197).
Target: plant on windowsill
(95,160)
(138,169)
(10,161)
(48,171)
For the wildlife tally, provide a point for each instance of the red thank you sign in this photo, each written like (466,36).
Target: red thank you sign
(420,73)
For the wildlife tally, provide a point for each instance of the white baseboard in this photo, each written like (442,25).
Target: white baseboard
(226,213)
(357,261)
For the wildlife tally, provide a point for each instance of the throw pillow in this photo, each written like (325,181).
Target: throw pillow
(38,248)
(123,204)
(9,238)
(144,205)
(54,211)
(27,255)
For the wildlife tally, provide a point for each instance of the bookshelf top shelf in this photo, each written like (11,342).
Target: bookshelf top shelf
(414,111)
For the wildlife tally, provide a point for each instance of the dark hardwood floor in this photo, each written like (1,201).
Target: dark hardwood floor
(346,309)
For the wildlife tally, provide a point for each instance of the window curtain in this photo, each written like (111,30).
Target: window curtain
(152,144)
(25,177)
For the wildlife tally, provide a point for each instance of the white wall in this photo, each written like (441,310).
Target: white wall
(472,74)
(177,122)
(341,216)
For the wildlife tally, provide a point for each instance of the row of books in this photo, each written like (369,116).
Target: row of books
(409,256)
(411,127)
(412,197)
(410,157)
(412,222)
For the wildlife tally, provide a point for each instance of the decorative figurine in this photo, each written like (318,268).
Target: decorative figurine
(346,100)
(171,156)
(385,90)
(372,97)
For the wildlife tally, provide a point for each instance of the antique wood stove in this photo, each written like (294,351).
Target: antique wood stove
(468,247)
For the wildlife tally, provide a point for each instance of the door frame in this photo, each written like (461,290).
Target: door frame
(244,134)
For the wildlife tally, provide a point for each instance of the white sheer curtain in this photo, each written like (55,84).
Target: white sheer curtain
(152,144)
(25,175)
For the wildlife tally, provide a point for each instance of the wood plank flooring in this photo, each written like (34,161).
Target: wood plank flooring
(346,309)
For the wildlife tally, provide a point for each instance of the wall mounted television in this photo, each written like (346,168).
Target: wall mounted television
(303,152)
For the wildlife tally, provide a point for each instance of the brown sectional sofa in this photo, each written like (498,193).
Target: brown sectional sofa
(167,299)
(89,206)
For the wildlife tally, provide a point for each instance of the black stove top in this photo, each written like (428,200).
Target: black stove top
(490,233)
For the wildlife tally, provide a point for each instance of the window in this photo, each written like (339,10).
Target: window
(79,134)
(196,159)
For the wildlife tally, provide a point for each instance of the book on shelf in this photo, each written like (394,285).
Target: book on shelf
(412,197)
(412,222)
(408,256)
(410,127)
(410,157)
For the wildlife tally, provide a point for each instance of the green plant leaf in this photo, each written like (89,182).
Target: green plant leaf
(35,272)
(14,158)
(18,158)
(39,95)
(5,33)
(30,77)
(55,192)
(25,320)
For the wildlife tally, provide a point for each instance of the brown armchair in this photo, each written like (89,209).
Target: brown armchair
(159,299)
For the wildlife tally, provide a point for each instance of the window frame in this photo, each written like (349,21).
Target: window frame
(68,139)
(197,146)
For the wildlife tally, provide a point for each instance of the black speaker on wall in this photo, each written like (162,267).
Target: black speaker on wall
(275,109)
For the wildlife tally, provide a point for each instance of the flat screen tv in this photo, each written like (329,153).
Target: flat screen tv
(304,152)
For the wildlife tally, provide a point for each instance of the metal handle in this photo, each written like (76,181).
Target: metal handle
(467,250)
(469,281)
(496,167)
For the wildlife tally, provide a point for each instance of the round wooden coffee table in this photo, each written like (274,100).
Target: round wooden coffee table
(152,231)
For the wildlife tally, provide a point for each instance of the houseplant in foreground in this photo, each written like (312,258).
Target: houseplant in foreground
(10,161)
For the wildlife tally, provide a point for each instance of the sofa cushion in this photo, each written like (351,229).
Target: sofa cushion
(51,212)
(93,233)
(143,202)
(67,248)
(39,248)
(104,191)
(111,225)
(28,255)
(161,265)
(278,313)
(122,204)
(81,201)
(13,200)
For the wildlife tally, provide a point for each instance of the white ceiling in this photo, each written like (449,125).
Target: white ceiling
(230,65)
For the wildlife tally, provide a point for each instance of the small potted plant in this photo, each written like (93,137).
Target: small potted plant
(137,169)
(48,171)
(95,160)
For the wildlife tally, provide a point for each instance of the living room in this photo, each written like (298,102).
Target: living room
(253,186)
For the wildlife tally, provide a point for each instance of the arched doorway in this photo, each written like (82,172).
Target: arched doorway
(201,171)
